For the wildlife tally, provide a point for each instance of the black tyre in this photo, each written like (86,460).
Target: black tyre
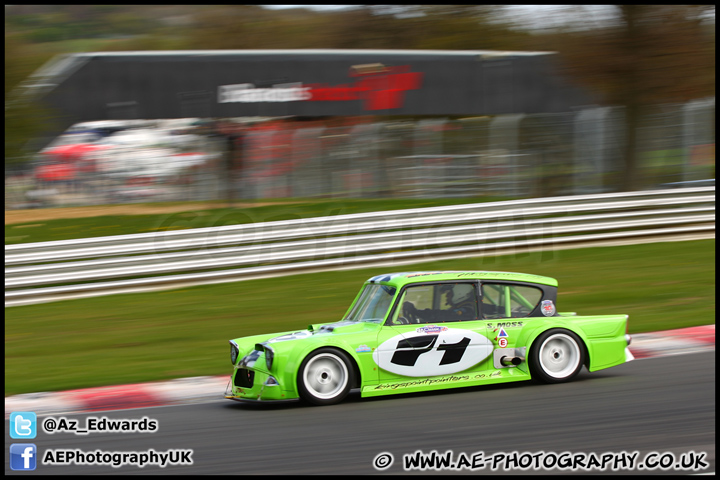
(325,377)
(556,356)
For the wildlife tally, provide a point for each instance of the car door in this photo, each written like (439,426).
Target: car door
(434,330)
(505,307)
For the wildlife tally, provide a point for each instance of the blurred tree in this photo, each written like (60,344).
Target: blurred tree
(147,42)
(300,28)
(469,27)
(124,23)
(645,55)
(24,119)
(231,27)
(432,27)
(365,28)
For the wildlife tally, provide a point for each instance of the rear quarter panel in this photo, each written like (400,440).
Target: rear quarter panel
(603,336)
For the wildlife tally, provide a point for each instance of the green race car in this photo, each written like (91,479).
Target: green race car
(417,331)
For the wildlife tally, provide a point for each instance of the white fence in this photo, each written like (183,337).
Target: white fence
(49,271)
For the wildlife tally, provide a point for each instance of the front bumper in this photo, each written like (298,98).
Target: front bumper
(255,385)
(250,400)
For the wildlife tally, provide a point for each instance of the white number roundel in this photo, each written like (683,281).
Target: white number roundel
(430,351)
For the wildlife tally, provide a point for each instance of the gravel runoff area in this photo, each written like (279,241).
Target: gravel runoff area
(41,214)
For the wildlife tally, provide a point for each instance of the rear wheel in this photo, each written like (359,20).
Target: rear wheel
(556,356)
(325,377)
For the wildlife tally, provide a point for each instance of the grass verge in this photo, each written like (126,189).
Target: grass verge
(190,216)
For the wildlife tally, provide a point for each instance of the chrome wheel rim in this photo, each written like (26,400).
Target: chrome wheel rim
(325,376)
(559,355)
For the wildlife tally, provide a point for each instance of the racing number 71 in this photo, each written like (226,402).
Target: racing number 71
(410,349)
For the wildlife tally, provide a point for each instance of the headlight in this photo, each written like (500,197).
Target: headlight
(269,355)
(234,352)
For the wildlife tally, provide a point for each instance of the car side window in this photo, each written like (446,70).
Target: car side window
(509,301)
(437,303)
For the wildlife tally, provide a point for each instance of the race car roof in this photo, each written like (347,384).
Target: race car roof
(402,278)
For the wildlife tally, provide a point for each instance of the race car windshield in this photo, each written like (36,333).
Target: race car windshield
(373,304)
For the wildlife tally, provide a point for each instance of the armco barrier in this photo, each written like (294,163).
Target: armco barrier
(48,271)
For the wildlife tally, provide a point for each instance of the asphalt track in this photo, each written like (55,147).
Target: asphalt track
(663,405)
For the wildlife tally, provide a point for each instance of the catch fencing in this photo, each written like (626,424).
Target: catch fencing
(50,271)
(502,156)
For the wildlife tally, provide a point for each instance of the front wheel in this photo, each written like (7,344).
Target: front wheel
(325,377)
(556,356)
